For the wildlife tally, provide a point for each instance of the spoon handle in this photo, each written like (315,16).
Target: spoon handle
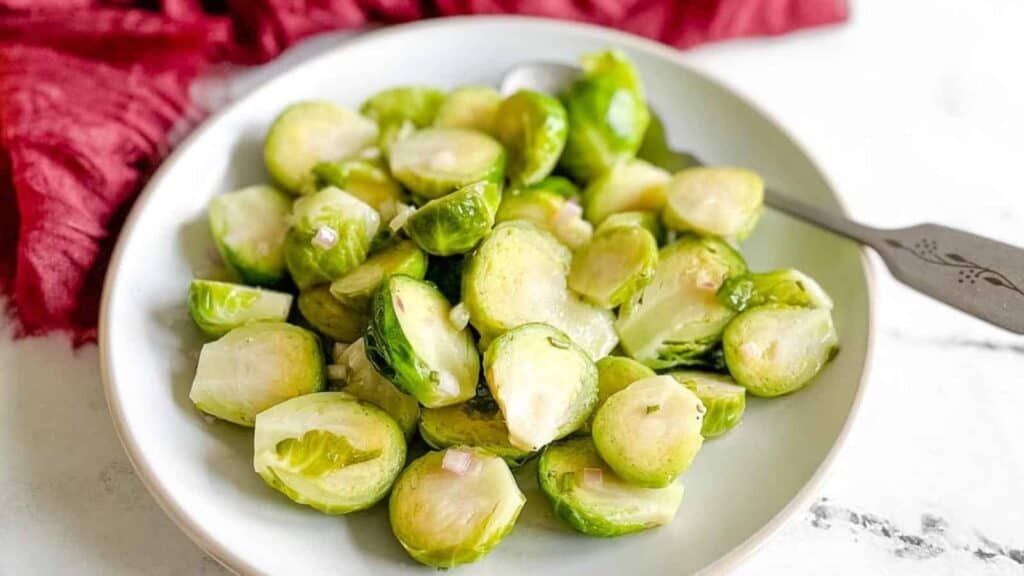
(980,276)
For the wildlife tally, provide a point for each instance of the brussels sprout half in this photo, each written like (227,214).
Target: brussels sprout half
(477,422)
(218,307)
(590,497)
(330,235)
(455,223)
(647,220)
(356,288)
(615,373)
(618,262)
(630,186)
(722,202)
(329,451)
(533,127)
(452,507)
(555,184)
(254,367)
(363,382)
(368,180)
(400,110)
(436,161)
(649,432)
(249,227)
(724,400)
(592,328)
(308,133)
(549,210)
(607,116)
(676,318)
(411,341)
(545,384)
(329,316)
(469,108)
(789,286)
(773,349)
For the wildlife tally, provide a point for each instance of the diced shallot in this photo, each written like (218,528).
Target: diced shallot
(459,316)
(457,461)
(706,282)
(325,237)
(593,476)
(401,215)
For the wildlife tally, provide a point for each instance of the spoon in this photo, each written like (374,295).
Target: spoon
(978,275)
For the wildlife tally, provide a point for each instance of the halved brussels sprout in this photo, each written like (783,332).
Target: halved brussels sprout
(399,111)
(308,133)
(590,497)
(615,373)
(249,226)
(723,399)
(356,288)
(647,220)
(545,384)
(619,261)
(649,432)
(367,180)
(788,286)
(217,307)
(329,316)
(549,210)
(722,202)
(412,342)
(469,108)
(452,507)
(676,318)
(254,367)
(773,349)
(330,235)
(628,187)
(590,327)
(607,116)
(363,382)
(516,276)
(329,451)
(455,223)
(436,161)
(477,422)
(533,127)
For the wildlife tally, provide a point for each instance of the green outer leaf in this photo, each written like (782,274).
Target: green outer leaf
(533,128)
(477,422)
(218,307)
(787,286)
(554,184)
(260,262)
(724,400)
(455,224)
(319,452)
(329,316)
(417,104)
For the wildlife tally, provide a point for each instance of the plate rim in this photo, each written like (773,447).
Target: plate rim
(240,565)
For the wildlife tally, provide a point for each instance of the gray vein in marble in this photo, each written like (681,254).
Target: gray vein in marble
(958,342)
(934,537)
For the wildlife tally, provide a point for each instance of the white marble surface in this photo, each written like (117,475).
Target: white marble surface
(914,110)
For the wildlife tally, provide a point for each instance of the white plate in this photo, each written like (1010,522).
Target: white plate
(738,492)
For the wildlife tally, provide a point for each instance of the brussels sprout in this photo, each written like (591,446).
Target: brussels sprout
(330,235)
(516,276)
(477,422)
(254,367)
(363,382)
(446,274)
(329,316)
(676,318)
(249,227)
(555,184)
(355,288)
(774,349)
(549,210)
(396,108)
(590,327)
(722,202)
(615,373)
(545,384)
(308,133)
(411,342)
(630,186)
(619,261)
(469,108)
(532,127)
(217,307)
(367,180)
(455,223)
(646,220)
(590,497)
(723,399)
(649,432)
(607,116)
(787,286)
(452,507)
(436,161)
(329,451)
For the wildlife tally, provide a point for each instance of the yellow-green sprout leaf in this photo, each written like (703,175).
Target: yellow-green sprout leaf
(724,400)
(218,307)
(308,133)
(249,227)
(455,223)
(436,161)
(723,202)
(533,127)
(630,186)
(786,286)
(356,288)
(368,180)
(331,317)
(477,422)
(619,261)
(318,452)
(363,382)
(469,108)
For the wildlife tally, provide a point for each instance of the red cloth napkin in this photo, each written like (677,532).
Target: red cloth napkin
(93,93)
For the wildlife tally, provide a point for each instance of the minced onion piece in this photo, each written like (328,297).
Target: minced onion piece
(338,350)
(401,215)
(325,237)
(337,372)
(706,282)
(457,461)
(459,316)
(593,476)
(568,212)
(446,383)
(371,153)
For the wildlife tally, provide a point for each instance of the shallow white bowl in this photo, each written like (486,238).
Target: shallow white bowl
(738,492)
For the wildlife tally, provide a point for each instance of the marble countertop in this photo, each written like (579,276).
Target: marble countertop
(914,111)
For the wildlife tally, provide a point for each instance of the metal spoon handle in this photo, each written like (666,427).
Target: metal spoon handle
(982,277)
